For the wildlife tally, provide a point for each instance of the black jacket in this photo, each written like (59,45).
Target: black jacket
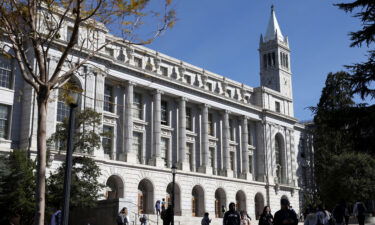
(285,215)
(232,218)
(265,219)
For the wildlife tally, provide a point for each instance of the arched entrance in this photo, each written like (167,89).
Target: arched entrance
(145,197)
(197,201)
(220,201)
(177,198)
(259,205)
(115,187)
(240,201)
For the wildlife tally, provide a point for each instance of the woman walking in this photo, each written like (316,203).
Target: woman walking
(266,218)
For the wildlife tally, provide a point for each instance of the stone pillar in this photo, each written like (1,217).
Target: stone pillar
(226,147)
(245,150)
(156,158)
(205,167)
(182,161)
(131,156)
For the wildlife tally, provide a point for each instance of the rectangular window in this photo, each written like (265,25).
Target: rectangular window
(110,51)
(164,150)
(250,164)
(232,160)
(5,72)
(138,62)
(277,106)
(107,140)
(4,121)
(188,119)
(231,130)
(164,113)
(137,146)
(210,125)
(69,33)
(164,71)
(137,106)
(108,98)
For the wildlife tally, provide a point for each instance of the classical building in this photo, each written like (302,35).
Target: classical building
(231,142)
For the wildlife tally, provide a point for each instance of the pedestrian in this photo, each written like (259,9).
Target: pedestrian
(232,217)
(206,220)
(167,215)
(339,213)
(157,207)
(310,218)
(347,215)
(359,211)
(223,210)
(163,204)
(266,217)
(122,218)
(285,216)
(143,219)
(56,218)
(323,216)
(247,215)
(244,219)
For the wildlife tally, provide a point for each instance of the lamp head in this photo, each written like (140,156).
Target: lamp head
(174,169)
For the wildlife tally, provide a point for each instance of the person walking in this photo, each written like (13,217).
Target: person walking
(285,216)
(143,219)
(157,207)
(232,217)
(359,211)
(347,215)
(167,215)
(122,218)
(56,218)
(205,220)
(323,216)
(244,219)
(339,213)
(310,218)
(266,217)
(163,204)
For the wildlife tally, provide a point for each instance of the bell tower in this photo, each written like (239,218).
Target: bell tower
(274,52)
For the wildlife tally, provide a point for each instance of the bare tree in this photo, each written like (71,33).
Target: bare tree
(30,29)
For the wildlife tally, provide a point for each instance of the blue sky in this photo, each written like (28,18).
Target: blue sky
(223,36)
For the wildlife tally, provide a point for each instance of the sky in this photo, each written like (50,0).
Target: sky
(222,36)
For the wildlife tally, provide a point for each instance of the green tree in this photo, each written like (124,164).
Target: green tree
(17,183)
(363,74)
(86,138)
(31,30)
(85,187)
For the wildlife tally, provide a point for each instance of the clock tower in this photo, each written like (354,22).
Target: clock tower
(274,52)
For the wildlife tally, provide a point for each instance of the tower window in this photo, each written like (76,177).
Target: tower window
(286,61)
(273,59)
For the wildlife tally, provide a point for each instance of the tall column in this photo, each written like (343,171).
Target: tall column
(156,158)
(205,167)
(261,152)
(131,156)
(183,162)
(245,150)
(226,147)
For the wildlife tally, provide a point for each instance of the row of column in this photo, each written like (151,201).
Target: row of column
(182,161)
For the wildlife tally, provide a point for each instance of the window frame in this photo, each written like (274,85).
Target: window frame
(108,99)
(164,117)
(138,106)
(6,65)
(7,121)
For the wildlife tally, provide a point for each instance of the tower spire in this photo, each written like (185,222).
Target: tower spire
(273,28)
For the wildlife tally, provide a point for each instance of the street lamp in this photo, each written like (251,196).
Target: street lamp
(73,102)
(174,171)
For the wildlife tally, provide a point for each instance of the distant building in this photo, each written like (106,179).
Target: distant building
(231,142)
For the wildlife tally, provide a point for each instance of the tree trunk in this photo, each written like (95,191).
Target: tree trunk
(41,157)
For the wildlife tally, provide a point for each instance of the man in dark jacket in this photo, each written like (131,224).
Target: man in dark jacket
(232,217)
(285,216)
(167,215)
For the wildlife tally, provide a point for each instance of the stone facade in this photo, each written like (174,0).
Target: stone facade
(231,142)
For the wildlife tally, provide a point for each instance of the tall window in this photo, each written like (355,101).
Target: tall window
(62,108)
(164,113)
(188,119)
(5,72)
(189,152)
(164,150)
(265,60)
(210,125)
(212,158)
(278,153)
(250,164)
(231,130)
(137,145)
(232,160)
(4,121)
(107,140)
(249,134)
(108,98)
(137,106)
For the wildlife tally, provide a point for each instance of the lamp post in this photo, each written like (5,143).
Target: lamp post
(74,101)
(174,171)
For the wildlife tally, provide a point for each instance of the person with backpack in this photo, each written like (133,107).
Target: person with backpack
(285,216)
(266,218)
(232,217)
(143,219)
(359,211)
